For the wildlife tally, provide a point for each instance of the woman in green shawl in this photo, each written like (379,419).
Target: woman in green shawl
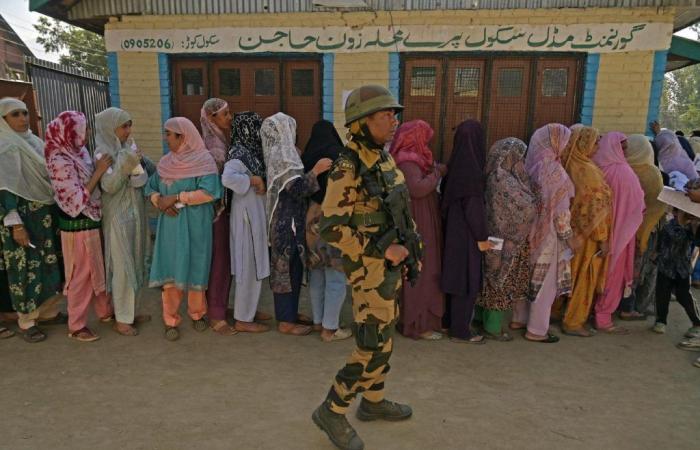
(29,263)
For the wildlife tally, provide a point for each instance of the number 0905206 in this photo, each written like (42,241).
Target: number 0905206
(146,43)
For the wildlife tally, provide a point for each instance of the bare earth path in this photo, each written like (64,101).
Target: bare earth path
(258,391)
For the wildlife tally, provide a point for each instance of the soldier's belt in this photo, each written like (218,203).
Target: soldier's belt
(369,219)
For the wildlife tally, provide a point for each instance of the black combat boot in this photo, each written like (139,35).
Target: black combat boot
(336,426)
(385,409)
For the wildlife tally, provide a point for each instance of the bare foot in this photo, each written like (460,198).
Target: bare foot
(293,329)
(517,326)
(221,327)
(125,329)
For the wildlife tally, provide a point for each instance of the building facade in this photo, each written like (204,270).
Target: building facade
(512,65)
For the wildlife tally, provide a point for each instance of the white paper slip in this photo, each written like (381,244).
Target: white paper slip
(138,170)
(32,245)
(497,243)
(179,205)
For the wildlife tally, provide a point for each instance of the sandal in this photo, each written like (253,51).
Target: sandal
(632,316)
(304,320)
(108,319)
(222,328)
(6,333)
(579,332)
(200,325)
(58,319)
(125,329)
(293,329)
(33,335)
(250,327)
(616,330)
(172,333)
(549,339)
(429,336)
(503,337)
(515,326)
(83,335)
(477,339)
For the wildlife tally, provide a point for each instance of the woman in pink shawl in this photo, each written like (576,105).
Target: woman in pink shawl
(551,238)
(74,179)
(628,209)
(672,157)
(184,189)
(216,131)
(422,305)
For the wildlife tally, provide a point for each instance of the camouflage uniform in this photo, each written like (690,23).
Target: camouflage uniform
(352,221)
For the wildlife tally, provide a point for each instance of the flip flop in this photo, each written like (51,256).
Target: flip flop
(550,339)
(578,333)
(6,333)
(472,340)
(503,337)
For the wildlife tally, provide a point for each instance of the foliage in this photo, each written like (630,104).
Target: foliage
(77,47)
(680,100)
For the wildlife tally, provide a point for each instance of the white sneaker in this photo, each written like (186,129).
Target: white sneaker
(339,335)
(659,328)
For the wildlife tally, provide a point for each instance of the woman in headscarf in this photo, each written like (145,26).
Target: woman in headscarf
(672,157)
(327,285)
(627,214)
(184,189)
(464,216)
(640,156)
(244,174)
(124,221)
(215,119)
(591,219)
(75,179)
(422,305)
(550,239)
(29,266)
(510,212)
(288,188)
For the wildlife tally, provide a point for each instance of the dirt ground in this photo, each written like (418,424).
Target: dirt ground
(258,391)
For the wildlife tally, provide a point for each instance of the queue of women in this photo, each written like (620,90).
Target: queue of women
(581,235)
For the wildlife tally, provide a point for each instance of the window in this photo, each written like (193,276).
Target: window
(230,82)
(265,82)
(192,82)
(423,81)
(510,82)
(467,81)
(302,82)
(554,82)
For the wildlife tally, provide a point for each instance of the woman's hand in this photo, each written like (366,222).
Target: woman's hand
(20,235)
(485,246)
(103,164)
(321,166)
(166,202)
(258,184)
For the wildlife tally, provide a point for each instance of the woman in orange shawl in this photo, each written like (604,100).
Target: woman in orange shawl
(591,218)
(640,156)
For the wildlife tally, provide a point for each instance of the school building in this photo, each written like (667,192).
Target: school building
(513,65)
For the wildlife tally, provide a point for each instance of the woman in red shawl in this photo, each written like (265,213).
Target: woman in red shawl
(422,305)
(74,179)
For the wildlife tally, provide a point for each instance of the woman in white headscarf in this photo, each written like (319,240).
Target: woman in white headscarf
(29,265)
(126,237)
(287,193)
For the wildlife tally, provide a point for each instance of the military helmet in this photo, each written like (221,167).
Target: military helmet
(367,100)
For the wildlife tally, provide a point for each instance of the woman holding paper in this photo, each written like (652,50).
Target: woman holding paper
(510,212)
(422,305)
(591,219)
(551,239)
(184,189)
(124,221)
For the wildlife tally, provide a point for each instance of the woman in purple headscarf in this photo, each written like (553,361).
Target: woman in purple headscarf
(464,216)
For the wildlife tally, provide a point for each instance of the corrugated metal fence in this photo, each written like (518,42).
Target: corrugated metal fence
(60,88)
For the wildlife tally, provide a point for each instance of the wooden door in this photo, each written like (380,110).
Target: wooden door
(509,102)
(422,94)
(555,95)
(191,88)
(302,96)
(464,95)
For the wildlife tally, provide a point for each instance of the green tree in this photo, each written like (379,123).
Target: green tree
(77,47)
(680,101)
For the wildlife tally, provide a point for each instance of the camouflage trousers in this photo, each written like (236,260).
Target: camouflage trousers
(375,309)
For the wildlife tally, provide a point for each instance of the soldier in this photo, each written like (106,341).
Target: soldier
(366,216)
